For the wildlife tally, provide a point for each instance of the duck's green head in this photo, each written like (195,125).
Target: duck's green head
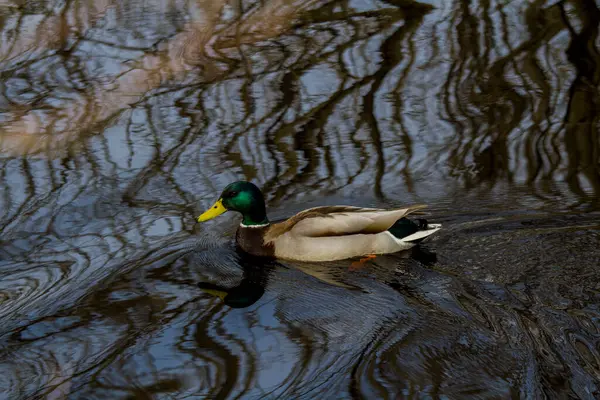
(243,197)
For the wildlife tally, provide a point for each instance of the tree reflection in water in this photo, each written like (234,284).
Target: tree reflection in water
(119,121)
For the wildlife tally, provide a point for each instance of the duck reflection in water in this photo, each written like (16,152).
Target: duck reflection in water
(256,271)
(251,287)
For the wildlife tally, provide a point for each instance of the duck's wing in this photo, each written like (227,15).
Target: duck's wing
(339,221)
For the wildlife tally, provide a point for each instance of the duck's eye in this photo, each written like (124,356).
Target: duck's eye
(233,194)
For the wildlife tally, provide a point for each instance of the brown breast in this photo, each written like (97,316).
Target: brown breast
(252,241)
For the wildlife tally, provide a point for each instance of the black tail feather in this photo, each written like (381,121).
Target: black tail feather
(405,227)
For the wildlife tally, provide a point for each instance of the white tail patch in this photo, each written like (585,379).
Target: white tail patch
(431,229)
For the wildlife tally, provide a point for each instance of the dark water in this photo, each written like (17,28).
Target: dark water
(120,121)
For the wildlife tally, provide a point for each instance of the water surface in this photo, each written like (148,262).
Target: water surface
(121,121)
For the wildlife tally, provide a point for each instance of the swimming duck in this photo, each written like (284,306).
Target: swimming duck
(318,234)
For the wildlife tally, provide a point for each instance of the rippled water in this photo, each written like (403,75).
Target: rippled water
(120,121)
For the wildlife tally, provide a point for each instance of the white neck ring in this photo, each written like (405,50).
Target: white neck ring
(254,226)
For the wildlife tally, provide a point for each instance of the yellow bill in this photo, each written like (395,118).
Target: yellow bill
(216,210)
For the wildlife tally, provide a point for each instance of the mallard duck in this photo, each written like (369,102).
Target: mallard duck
(318,234)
